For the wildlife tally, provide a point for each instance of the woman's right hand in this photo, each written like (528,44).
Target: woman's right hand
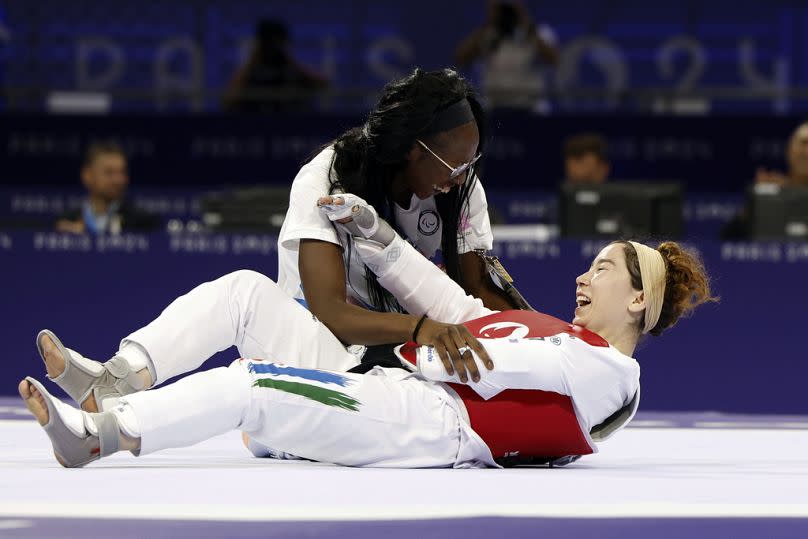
(452,343)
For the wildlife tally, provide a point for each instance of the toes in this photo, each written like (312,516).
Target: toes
(34,401)
(47,344)
(25,389)
(54,362)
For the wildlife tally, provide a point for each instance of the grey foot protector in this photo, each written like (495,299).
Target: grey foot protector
(71,449)
(107,382)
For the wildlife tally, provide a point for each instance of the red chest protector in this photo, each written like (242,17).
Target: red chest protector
(525,422)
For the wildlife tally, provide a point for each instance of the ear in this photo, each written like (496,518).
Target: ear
(637,304)
(86,177)
(414,153)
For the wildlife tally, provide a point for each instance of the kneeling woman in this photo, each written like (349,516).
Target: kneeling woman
(425,417)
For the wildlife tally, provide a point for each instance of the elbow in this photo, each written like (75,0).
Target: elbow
(473,288)
(332,314)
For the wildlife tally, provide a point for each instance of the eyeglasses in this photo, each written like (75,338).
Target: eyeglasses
(456,171)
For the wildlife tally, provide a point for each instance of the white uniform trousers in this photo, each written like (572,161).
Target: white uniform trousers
(386,418)
(244,309)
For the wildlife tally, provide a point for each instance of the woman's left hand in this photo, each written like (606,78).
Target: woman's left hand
(357,217)
(452,343)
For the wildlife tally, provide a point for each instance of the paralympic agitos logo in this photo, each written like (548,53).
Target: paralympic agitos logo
(428,222)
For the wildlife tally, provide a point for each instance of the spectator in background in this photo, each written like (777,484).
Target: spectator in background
(797,158)
(510,48)
(738,228)
(586,159)
(272,80)
(104,211)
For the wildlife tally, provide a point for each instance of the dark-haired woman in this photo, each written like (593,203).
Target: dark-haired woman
(414,161)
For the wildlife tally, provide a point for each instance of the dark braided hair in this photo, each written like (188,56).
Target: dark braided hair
(368,158)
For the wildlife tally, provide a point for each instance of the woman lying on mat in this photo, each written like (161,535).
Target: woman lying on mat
(557,388)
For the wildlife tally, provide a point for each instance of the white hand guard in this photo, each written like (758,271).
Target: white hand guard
(362,220)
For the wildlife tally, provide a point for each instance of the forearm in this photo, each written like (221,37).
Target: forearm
(323,278)
(420,286)
(477,283)
(493,298)
(352,324)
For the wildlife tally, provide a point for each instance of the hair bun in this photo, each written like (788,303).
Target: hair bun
(687,285)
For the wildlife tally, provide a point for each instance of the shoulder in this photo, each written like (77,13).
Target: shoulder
(477,190)
(598,373)
(477,198)
(607,356)
(316,174)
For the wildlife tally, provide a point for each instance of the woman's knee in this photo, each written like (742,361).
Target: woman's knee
(249,283)
(249,277)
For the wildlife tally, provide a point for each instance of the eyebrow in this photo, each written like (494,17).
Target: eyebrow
(602,260)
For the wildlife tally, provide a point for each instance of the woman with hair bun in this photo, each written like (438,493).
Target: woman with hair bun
(541,390)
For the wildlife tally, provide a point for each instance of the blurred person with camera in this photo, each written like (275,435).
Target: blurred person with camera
(272,79)
(510,48)
(104,211)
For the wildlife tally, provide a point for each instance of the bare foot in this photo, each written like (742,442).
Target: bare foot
(34,401)
(55,365)
(54,361)
(36,405)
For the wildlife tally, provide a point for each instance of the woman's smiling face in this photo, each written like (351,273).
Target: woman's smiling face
(606,300)
(426,175)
